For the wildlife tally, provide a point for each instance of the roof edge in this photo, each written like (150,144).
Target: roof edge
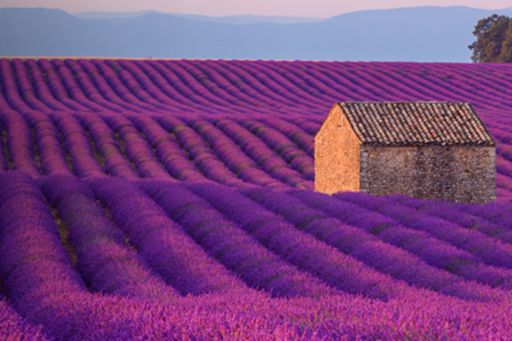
(486,138)
(482,123)
(356,132)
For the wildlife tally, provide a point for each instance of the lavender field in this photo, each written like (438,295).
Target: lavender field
(158,199)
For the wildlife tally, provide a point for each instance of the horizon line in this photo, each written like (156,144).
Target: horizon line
(147,11)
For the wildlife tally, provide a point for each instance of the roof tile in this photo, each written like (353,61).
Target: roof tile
(416,123)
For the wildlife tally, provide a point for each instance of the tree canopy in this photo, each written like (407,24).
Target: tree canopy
(493,40)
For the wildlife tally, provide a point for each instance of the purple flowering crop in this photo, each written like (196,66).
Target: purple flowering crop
(172,199)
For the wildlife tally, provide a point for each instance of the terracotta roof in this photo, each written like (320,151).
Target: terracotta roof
(416,123)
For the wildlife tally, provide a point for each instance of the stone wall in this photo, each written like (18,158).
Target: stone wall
(455,173)
(337,152)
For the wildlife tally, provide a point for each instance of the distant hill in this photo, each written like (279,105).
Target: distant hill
(407,34)
(232,19)
(110,15)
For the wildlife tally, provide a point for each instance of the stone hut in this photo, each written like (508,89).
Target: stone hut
(434,150)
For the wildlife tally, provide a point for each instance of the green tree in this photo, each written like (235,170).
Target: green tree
(493,40)
(506,50)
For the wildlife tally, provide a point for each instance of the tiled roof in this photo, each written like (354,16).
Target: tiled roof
(416,123)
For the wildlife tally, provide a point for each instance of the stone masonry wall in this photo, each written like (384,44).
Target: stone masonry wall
(455,173)
(337,151)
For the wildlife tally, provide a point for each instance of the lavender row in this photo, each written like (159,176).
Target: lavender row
(421,316)
(233,156)
(233,247)
(260,152)
(14,327)
(482,221)
(297,248)
(73,313)
(364,246)
(489,250)
(35,268)
(431,248)
(162,243)
(130,147)
(105,258)
(156,86)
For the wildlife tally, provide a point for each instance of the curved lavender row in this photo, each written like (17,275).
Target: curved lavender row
(294,132)
(198,88)
(466,87)
(114,87)
(52,159)
(267,98)
(62,138)
(185,84)
(297,248)
(232,246)
(5,163)
(214,86)
(491,251)
(414,313)
(128,87)
(169,153)
(58,90)
(137,78)
(232,155)
(504,151)
(162,243)
(98,83)
(107,152)
(19,140)
(78,148)
(131,97)
(10,88)
(275,82)
(175,86)
(69,82)
(88,143)
(498,213)
(25,87)
(437,82)
(104,257)
(37,271)
(327,318)
(459,215)
(301,83)
(433,250)
(230,81)
(45,91)
(194,89)
(342,82)
(278,142)
(200,152)
(93,95)
(166,85)
(137,148)
(14,327)
(365,247)
(351,241)
(266,158)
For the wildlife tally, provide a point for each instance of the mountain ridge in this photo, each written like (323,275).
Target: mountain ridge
(423,34)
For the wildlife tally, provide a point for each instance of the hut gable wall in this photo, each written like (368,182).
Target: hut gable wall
(337,152)
(457,173)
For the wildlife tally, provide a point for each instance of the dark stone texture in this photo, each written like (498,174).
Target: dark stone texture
(455,173)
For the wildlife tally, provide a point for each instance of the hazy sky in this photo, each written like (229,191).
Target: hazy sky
(305,8)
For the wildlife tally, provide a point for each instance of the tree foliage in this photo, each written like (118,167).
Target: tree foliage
(493,40)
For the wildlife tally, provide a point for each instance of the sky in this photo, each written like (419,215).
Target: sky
(301,8)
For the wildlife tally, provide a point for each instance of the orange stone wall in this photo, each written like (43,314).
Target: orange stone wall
(337,153)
